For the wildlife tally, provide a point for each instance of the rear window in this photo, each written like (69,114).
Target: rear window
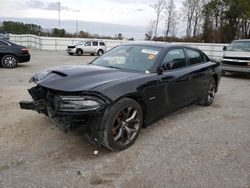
(95,43)
(102,44)
(195,57)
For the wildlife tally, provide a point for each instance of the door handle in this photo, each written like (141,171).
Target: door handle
(186,78)
(3,48)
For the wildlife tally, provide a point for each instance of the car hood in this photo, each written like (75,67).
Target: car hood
(80,78)
(236,54)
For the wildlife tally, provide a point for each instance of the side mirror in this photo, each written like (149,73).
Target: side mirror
(224,48)
(165,66)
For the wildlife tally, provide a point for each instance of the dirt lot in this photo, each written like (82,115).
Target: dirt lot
(194,147)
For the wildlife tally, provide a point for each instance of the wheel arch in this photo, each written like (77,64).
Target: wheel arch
(139,100)
(4,54)
(99,49)
(79,49)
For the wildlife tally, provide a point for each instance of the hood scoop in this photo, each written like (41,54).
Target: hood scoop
(59,73)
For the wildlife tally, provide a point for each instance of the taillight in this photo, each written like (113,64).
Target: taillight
(25,50)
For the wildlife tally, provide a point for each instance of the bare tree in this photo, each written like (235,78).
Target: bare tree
(189,7)
(170,17)
(158,8)
(150,30)
(198,17)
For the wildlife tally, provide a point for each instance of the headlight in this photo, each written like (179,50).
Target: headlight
(78,104)
(39,76)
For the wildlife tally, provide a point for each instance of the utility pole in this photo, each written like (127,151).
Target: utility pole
(59,14)
(76,28)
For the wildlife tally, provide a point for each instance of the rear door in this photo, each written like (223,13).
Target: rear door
(4,47)
(201,76)
(94,46)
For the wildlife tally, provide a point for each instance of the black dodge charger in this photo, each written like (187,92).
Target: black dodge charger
(130,87)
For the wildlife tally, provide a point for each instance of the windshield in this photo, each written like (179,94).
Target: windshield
(239,46)
(137,58)
(81,43)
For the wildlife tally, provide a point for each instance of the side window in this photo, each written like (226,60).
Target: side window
(175,59)
(95,43)
(102,44)
(195,57)
(2,43)
(88,43)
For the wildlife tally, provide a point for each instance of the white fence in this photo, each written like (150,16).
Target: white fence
(52,43)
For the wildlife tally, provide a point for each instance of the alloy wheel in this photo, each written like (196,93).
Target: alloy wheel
(211,92)
(126,126)
(10,62)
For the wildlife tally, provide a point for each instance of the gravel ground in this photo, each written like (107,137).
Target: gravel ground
(194,147)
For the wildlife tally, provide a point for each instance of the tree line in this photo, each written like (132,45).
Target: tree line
(215,21)
(22,28)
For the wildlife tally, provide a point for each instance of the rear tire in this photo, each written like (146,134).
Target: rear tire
(209,98)
(79,52)
(122,124)
(9,61)
(100,52)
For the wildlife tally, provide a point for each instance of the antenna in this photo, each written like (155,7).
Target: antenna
(59,14)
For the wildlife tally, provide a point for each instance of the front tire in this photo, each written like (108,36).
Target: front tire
(209,98)
(79,52)
(122,124)
(9,61)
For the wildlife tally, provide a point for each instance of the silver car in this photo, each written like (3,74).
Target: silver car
(88,47)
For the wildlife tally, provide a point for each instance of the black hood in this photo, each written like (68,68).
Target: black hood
(80,78)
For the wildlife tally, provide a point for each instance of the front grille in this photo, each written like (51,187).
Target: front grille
(240,64)
(238,58)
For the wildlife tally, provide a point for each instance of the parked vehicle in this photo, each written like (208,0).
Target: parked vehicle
(237,57)
(88,47)
(11,54)
(129,87)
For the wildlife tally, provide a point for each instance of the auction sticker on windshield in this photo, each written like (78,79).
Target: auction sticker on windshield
(147,51)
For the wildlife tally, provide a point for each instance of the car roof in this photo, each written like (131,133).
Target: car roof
(161,45)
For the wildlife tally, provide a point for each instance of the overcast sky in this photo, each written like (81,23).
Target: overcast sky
(127,12)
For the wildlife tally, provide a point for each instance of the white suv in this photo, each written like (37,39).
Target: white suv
(89,47)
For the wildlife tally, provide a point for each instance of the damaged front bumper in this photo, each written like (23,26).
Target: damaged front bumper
(34,105)
(67,112)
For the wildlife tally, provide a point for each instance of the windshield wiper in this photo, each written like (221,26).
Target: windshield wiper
(111,66)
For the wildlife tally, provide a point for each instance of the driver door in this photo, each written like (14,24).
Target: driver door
(88,47)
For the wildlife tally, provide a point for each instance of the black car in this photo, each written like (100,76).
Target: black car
(11,54)
(130,87)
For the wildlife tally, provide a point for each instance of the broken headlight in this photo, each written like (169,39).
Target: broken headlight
(78,104)
(39,76)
